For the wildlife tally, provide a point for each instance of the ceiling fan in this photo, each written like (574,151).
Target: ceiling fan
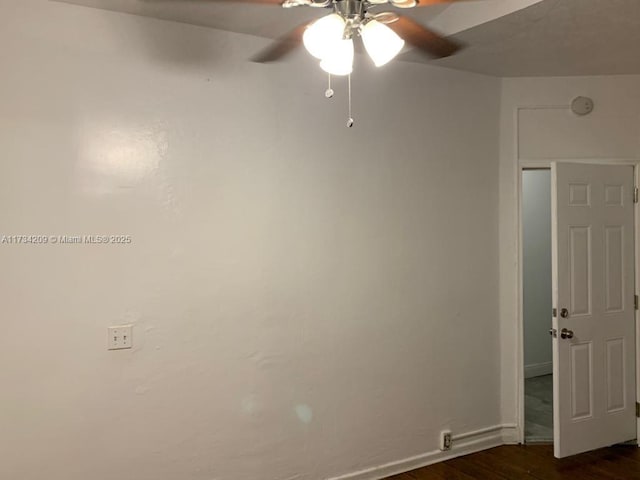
(384,34)
(330,38)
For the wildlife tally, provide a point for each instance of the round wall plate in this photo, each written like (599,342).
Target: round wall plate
(582,105)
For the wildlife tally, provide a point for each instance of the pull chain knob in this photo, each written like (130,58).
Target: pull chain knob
(329,91)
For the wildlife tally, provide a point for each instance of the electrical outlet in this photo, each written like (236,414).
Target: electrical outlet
(445,440)
(120,337)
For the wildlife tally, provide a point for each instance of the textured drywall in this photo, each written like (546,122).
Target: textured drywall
(308,300)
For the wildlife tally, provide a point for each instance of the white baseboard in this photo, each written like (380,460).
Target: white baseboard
(463,444)
(510,434)
(538,369)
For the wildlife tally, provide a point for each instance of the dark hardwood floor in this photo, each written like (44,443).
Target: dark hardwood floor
(534,462)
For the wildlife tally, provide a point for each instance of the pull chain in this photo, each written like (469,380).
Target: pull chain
(329,91)
(350,121)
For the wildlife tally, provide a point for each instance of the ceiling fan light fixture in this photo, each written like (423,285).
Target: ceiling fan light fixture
(320,36)
(382,43)
(404,3)
(339,59)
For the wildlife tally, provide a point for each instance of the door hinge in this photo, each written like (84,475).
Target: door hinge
(635,195)
(554,312)
(637,410)
(635,302)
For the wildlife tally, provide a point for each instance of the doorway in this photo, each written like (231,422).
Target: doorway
(537,305)
(581,309)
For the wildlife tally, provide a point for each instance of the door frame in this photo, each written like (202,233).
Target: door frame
(544,165)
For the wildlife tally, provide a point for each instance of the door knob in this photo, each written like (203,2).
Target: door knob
(564,313)
(565,333)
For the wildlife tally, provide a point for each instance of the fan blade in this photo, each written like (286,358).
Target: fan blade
(282,46)
(423,39)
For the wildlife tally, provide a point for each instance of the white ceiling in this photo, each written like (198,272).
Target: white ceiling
(556,38)
(503,37)
(255,19)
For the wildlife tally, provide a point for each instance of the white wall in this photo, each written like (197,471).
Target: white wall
(308,300)
(537,127)
(536,271)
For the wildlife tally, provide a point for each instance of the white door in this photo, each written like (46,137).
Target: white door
(594,391)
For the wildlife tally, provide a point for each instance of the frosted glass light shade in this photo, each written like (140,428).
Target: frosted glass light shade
(382,43)
(319,37)
(339,60)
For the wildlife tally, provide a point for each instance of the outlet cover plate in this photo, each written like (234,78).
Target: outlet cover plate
(446,440)
(120,337)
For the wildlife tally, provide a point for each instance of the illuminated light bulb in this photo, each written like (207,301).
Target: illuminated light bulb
(321,34)
(404,3)
(339,59)
(382,43)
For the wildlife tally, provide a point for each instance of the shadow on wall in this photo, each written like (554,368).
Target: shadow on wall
(255,28)
(187,50)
